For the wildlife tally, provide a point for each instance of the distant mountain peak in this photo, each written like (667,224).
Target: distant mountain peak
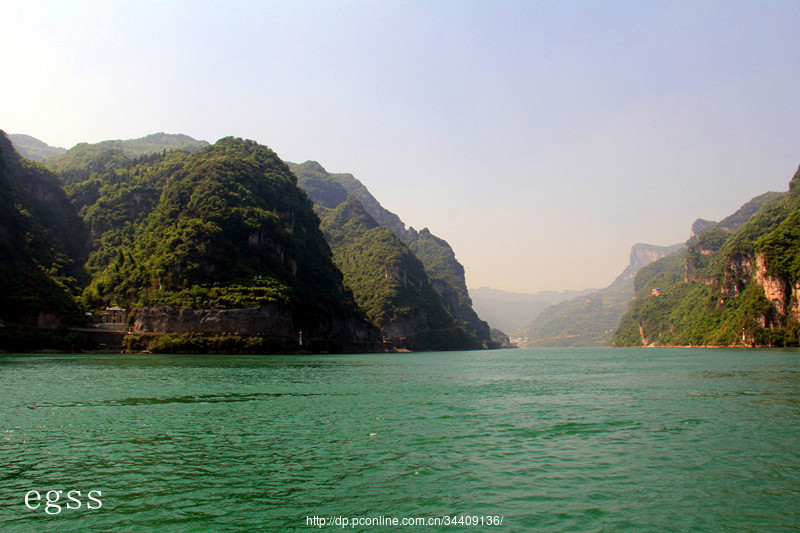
(32,148)
(643,254)
(700,225)
(313,166)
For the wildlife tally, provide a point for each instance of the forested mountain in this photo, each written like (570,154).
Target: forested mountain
(389,282)
(216,249)
(213,250)
(595,319)
(86,155)
(735,284)
(737,220)
(444,273)
(32,148)
(590,319)
(39,245)
(226,229)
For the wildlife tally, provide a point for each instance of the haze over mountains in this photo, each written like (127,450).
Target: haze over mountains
(509,311)
(590,319)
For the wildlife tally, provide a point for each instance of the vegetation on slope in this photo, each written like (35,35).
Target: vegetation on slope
(714,293)
(590,320)
(388,281)
(230,228)
(445,274)
(39,276)
(86,155)
(224,227)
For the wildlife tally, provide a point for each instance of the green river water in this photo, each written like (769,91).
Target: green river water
(509,440)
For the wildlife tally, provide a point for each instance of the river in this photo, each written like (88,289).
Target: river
(509,440)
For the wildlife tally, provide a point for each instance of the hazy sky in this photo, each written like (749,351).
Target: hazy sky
(541,139)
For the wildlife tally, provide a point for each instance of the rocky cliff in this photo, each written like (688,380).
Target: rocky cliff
(274,324)
(389,283)
(735,284)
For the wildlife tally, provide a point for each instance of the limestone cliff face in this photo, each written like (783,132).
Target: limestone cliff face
(266,321)
(590,319)
(777,289)
(395,328)
(738,272)
(641,256)
(783,294)
(449,297)
(644,254)
(271,321)
(736,283)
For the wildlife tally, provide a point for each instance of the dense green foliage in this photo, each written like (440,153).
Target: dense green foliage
(38,244)
(331,189)
(85,155)
(165,221)
(387,280)
(712,293)
(744,213)
(445,274)
(225,227)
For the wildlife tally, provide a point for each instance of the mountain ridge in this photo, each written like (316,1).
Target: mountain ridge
(32,148)
(444,272)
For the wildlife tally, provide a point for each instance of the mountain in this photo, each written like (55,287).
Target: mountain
(508,311)
(32,148)
(590,320)
(444,273)
(736,220)
(597,319)
(39,246)
(389,282)
(447,276)
(735,284)
(226,233)
(86,156)
(217,250)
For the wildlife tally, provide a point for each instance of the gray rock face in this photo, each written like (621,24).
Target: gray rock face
(269,321)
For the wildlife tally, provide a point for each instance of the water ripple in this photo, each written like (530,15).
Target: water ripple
(551,440)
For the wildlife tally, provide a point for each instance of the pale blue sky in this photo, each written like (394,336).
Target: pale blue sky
(542,139)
